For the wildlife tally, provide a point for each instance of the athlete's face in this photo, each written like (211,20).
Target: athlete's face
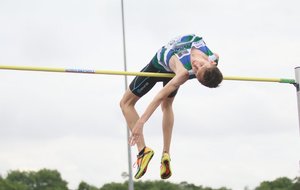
(201,64)
(201,70)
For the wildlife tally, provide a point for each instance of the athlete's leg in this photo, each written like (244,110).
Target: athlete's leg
(167,126)
(167,122)
(145,153)
(168,118)
(131,116)
(137,88)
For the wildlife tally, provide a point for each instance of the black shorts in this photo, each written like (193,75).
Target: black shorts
(141,85)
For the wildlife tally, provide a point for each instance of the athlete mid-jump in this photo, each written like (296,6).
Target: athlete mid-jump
(188,57)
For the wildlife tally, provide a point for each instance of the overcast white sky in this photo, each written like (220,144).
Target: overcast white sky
(235,136)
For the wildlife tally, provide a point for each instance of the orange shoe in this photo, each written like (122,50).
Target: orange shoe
(143,161)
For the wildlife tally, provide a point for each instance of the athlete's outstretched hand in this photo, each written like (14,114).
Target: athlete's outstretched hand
(136,133)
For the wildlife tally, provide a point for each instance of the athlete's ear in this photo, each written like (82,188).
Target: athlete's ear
(217,56)
(214,59)
(217,60)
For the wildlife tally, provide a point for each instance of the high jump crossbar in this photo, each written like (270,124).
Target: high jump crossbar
(295,82)
(149,74)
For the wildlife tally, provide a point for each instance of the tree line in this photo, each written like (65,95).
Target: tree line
(51,180)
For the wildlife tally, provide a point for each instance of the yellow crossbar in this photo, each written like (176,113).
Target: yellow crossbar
(252,79)
(149,74)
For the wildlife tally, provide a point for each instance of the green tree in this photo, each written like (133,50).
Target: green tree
(282,183)
(186,186)
(156,185)
(84,186)
(296,185)
(6,185)
(49,180)
(115,186)
(41,180)
(21,179)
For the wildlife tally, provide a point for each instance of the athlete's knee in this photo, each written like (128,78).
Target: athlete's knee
(124,103)
(128,100)
(167,104)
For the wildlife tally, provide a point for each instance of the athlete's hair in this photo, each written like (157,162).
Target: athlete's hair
(211,77)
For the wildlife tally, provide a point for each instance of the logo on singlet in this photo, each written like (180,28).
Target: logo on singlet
(199,44)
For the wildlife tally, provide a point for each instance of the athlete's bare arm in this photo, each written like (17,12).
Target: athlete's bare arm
(181,76)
